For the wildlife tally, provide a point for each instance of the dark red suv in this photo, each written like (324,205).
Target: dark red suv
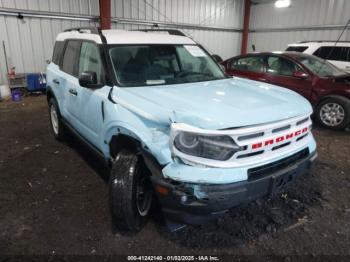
(324,85)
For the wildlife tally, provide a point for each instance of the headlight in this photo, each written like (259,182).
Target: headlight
(205,146)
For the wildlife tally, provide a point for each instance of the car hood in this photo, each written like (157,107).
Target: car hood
(220,104)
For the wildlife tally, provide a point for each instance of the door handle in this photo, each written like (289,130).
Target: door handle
(73,92)
(56,81)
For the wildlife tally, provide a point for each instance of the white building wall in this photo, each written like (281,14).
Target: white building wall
(30,44)
(302,13)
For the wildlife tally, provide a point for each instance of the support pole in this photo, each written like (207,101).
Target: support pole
(245,32)
(105,14)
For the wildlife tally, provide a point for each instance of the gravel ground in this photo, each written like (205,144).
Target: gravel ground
(53,200)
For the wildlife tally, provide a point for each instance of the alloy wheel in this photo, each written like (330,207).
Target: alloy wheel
(332,114)
(54,119)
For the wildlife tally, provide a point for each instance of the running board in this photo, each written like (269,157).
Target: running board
(92,148)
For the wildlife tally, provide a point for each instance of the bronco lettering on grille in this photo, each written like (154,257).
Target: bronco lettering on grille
(279,139)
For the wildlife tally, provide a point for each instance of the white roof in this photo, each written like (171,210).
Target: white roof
(127,37)
(138,37)
(77,35)
(317,43)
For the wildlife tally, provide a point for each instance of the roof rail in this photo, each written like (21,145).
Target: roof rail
(93,30)
(321,41)
(170,31)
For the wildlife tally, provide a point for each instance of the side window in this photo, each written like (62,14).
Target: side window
(297,48)
(90,60)
(251,64)
(280,66)
(346,53)
(57,52)
(336,53)
(70,58)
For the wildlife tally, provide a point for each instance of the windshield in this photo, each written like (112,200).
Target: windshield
(319,66)
(140,65)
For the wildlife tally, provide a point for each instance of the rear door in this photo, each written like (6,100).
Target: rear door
(69,81)
(280,71)
(54,75)
(251,67)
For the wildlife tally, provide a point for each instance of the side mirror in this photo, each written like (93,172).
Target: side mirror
(222,67)
(217,58)
(88,79)
(300,74)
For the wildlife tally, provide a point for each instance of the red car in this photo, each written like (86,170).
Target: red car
(324,85)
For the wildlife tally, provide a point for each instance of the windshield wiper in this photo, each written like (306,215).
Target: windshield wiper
(188,73)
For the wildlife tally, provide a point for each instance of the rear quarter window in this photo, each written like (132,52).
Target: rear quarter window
(297,48)
(335,53)
(57,52)
(71,57)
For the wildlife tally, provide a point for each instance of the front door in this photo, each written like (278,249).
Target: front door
(280,71)
(90,102)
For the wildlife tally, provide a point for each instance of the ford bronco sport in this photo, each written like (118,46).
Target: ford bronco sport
(172,126)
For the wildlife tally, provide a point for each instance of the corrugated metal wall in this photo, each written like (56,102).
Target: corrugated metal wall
(30,44)
(224,13)
(301,13)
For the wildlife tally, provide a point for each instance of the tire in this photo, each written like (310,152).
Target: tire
(57,126)
(334,112)
(128,213)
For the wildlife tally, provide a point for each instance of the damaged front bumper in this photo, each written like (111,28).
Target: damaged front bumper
(195,203)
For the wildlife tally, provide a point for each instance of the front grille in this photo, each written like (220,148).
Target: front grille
(268,169)
(281,129)
(257,141)
(246,137)
(280,146)
(302,121)
(251,154)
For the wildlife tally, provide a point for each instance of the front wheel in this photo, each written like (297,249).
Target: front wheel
(334,112)
(130,192)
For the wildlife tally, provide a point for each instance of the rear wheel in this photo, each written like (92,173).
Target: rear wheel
(55,120)
(334,112)
(130,192)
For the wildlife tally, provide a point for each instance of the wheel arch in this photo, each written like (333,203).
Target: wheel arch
(121,141)
(330,96)
(49,94)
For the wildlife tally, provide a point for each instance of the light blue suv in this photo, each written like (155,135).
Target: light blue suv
(173,127)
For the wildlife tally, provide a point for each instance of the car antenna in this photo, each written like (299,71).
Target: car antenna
(335,44)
